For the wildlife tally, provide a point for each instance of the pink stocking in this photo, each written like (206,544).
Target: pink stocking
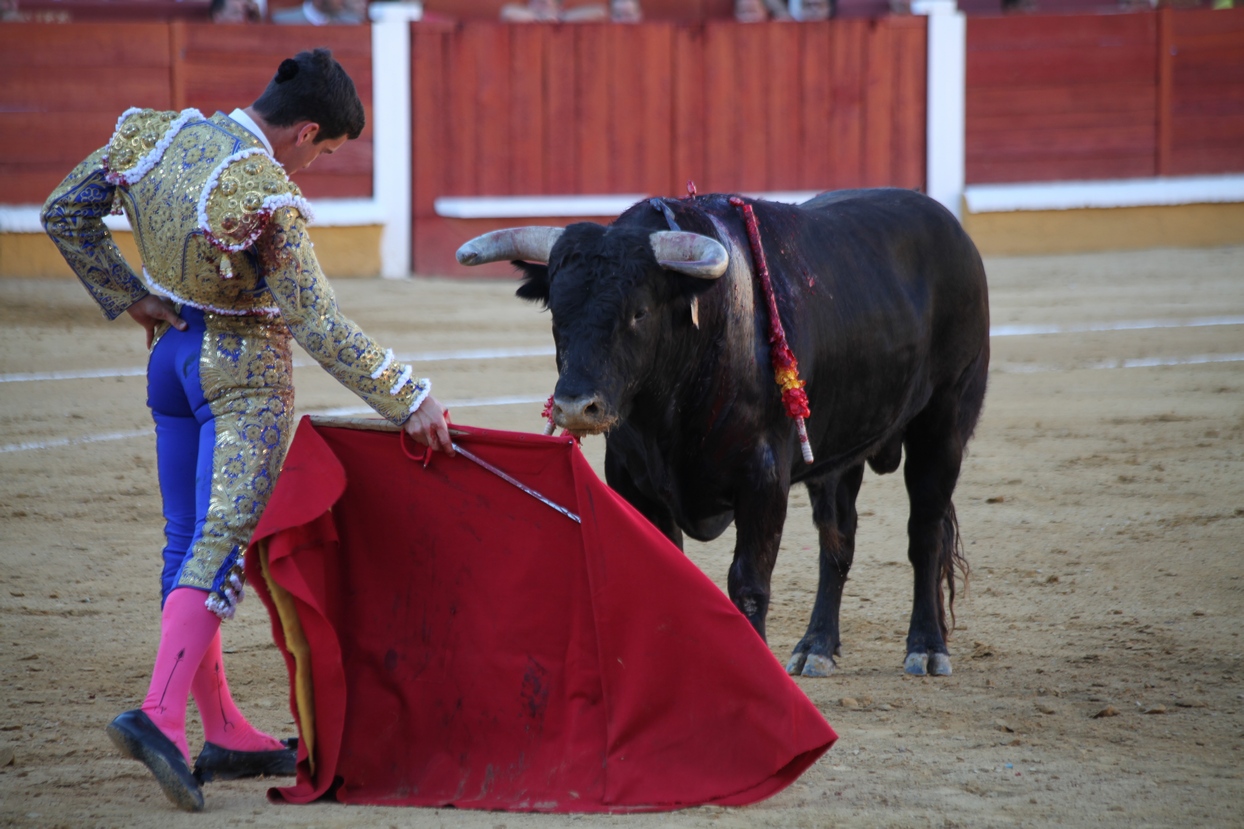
(187,628)
(223,723)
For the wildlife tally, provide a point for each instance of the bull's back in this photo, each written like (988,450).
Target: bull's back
(901,240)
(898,307)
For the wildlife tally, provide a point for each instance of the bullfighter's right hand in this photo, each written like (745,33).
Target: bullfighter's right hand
(429,427)
(152,310)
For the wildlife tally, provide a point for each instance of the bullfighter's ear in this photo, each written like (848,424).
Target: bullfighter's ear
(535,287)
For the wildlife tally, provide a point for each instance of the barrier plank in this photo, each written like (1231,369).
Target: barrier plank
(61,89)
(745,164)
(1210,24)
(846,124)
(878,105)
(1059,168)
(429,124)
(491,46)
(910,57)
(817,105)
(688,131)
(84,45)
(462,146)
(526,124)
(653,53)
(63,138)
(721,154)
(784,112)
(1041,101)
(593,53)
(622,144)
(1084,31)
(561,148)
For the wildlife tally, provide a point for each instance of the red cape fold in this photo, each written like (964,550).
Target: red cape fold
(471,646)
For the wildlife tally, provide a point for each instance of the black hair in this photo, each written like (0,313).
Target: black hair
(312,86)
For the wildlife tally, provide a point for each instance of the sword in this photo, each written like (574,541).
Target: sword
(509,480)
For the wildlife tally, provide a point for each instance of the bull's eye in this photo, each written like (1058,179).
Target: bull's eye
(639,315)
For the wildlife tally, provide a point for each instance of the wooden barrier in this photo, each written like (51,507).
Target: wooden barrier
(1058,97)
(561,110)
(1201,92)
(63,86)
(1132,95)
(522,110)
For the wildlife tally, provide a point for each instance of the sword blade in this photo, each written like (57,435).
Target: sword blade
(476,459)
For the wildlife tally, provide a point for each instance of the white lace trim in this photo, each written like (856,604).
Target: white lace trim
(234,592)
(388,361)
(275,203)
(423,388)
(270,205)
(402,380)
(263,311)
(210,185)
(151,159)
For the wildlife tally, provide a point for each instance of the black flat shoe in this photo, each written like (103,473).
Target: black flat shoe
(217,763)
(137,737)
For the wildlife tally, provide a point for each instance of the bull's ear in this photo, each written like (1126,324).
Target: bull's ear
(535,287)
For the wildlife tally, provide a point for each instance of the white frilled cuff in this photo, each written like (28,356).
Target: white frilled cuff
(423,388)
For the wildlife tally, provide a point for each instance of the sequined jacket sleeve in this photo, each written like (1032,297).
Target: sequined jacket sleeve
(74,217)
(309,307)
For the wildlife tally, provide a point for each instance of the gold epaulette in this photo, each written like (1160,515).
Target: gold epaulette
(241,195)
(140,140)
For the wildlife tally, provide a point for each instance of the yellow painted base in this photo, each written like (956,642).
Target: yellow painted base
(343,252)
(1039,232)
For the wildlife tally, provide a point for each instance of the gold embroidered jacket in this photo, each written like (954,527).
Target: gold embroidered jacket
(220,227)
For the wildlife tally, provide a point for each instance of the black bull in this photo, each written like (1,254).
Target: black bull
(663,344)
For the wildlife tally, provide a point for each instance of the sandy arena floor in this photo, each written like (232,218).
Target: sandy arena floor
(1102,505)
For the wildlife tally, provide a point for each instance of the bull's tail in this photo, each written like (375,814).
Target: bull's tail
(951,562)
(951,556)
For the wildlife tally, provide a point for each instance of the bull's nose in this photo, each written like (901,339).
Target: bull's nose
(585,413)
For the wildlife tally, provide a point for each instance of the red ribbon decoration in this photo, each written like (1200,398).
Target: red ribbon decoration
(785,366)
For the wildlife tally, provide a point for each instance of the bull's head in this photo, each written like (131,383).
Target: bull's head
(616,294)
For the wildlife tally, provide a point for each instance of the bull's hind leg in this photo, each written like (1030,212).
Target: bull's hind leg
(931,471)
(935,443)
(833,511)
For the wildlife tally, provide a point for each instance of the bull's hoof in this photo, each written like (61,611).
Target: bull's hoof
(796,663)
(916,664)
(939,664)
(817,665)
(810,664)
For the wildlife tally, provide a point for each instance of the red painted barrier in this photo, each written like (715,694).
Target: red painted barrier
(505,110)
(62,87)
(1107,96)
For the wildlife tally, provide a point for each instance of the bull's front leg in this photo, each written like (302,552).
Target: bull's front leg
(759,513)
(833,510)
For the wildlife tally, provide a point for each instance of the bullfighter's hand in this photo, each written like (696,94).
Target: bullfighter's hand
(429,426)
(152,310)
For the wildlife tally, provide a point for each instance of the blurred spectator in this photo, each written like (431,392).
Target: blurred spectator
(625,11)
(754,11)
(551,11)
(323,12)
(236,11)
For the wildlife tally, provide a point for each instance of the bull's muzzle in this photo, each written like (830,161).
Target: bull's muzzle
(583,415)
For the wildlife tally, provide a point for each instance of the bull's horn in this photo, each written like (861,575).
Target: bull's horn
(690,253)
(531,244)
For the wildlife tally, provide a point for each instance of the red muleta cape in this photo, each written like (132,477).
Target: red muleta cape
(452,641)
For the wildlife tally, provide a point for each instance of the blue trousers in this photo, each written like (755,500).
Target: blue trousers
(222,401)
